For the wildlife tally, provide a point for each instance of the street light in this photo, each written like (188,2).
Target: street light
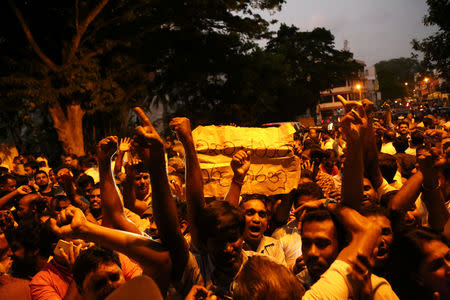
(358,87)
(426,79)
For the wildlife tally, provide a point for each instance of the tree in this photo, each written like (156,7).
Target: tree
(249,85)
(394,73)
(200,51)
(314,65)
(436,48)
(78,57)
(62,56)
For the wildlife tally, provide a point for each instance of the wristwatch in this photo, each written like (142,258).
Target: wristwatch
(330,200)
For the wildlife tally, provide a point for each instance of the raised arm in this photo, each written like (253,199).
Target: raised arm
(388,116)
(359,254)
(240,163)
(112,206)
(354,126)
(150,148)
(194,178)
(124,147)
(154,259)
(370,150)
(69,187)
(431,193)
(21,190)
(407,195)
(364,233)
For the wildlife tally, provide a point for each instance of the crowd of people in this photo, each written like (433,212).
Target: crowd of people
(368,220)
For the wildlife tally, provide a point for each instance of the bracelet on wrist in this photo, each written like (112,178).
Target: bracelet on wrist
(328,201)
(237,181)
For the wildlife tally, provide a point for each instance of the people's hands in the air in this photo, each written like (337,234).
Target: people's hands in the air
(176,189)
(307,165)
(363,110)
(70,222)
(125,144)
(23,190)
(428,160)
(148,144)
(65,177)
(240,164)
(106,148)
(297,147)
(354,125)
(182,127)
(130,169)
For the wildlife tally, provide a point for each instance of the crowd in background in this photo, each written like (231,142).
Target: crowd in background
(368,220)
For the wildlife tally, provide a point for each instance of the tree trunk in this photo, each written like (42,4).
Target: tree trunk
(69,128)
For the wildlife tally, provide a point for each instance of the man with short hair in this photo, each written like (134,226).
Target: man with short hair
(403,129)
(388,139)
(7,184)
(327,254)
(24,208)
(142,183)
(95,203)
(416,141)
(379,216)
(370,196)
(320,245)
(97,272)
(256,216)
(95,208)
(31,168)
(254,208)
(43,182)
(388,167)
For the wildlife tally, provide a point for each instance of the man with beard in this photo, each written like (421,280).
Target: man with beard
(321,242)
(330,259)
(43,182)
(403,129)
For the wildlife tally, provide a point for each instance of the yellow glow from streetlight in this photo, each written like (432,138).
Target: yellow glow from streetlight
(406,83)
(426,79)
(358,86)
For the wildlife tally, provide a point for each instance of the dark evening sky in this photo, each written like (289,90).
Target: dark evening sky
(376,29)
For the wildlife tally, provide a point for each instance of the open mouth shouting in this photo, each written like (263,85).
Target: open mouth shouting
(254,231)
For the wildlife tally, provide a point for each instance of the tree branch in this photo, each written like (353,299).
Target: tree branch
(90,55)
(31,40)
(83,27)
(77,15)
